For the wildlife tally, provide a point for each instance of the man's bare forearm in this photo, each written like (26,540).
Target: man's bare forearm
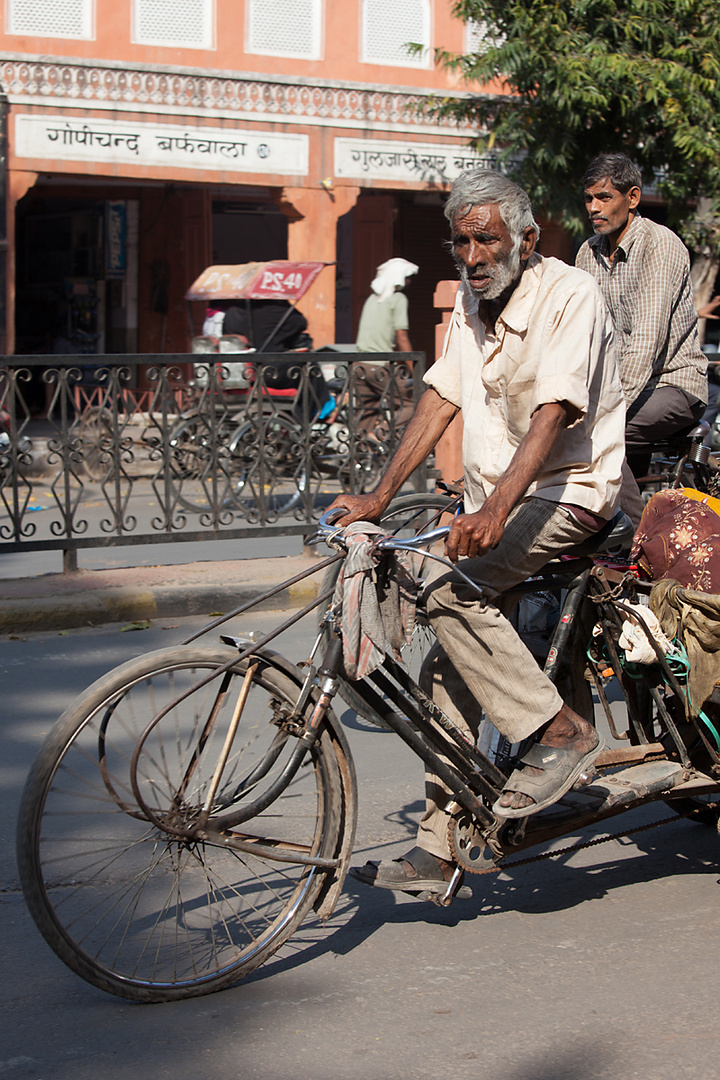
(472,534)
(431,417)
(529,458)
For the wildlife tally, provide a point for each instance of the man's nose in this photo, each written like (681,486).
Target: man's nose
(474,254)
(594,206)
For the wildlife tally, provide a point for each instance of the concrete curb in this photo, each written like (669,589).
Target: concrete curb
(91,598)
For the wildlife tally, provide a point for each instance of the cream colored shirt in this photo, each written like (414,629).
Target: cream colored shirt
(553,342)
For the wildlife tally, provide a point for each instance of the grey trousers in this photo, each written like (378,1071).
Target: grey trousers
(479,663)
(653,416)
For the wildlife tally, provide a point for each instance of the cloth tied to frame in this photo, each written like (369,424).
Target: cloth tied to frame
(634,641)
(693,617)
(679,539)
(378,594)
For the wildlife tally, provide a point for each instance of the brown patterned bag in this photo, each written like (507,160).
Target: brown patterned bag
(679,538)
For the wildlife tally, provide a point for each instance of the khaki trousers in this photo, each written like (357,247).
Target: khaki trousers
(479,663)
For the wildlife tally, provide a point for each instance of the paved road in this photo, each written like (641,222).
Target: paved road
(602,965)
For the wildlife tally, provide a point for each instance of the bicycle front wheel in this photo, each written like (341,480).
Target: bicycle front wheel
(116,881)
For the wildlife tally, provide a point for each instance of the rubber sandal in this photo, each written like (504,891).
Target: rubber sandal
(392,874)
(561,768)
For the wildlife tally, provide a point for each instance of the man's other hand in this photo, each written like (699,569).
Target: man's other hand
(474,534)
(368,507)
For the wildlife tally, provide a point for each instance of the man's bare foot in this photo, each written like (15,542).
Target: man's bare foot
(567,731)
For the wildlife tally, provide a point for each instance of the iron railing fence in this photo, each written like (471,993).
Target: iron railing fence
(209,447)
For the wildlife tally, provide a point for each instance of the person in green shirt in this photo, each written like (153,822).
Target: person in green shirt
(384,328)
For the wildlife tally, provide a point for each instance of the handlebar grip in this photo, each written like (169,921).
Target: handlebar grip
(331,515)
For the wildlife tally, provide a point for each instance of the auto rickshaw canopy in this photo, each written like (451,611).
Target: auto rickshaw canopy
(275,280)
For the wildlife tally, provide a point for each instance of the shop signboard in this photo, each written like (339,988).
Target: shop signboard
(405,162)
(174,146)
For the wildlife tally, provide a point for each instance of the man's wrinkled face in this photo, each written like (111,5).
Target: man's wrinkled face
(608,209)
(488,260)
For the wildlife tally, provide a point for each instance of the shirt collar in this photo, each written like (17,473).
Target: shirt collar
(600,243)
(516,313)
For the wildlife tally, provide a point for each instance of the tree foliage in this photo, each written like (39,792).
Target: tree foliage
(583,77)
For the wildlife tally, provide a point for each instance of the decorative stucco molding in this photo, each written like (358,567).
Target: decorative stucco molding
(134,89)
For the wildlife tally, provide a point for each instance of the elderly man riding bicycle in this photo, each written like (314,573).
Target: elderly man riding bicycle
(529,361)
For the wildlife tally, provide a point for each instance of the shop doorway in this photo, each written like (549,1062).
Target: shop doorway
(248,232)
(76,275)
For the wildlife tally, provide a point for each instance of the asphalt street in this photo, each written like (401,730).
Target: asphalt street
(595,965)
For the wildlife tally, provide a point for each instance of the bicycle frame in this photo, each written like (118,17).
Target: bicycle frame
(665,761)
(662,763)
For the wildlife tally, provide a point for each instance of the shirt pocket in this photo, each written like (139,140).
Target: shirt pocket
(518,396)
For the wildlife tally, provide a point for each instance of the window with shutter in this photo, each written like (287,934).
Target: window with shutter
(51,18)
(185,24)
(290,28)
(387,28)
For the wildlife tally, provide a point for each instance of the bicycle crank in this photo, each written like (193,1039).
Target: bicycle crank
(467,843)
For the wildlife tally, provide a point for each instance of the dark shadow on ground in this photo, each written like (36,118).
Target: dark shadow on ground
(677,848)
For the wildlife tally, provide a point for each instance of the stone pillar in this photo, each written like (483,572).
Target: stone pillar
(312,216)
(448,452)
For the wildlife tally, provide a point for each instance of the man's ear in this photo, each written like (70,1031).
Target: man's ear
(633,197)
(527,245)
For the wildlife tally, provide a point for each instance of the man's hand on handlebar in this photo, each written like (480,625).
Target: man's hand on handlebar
(474,534)
(368,507)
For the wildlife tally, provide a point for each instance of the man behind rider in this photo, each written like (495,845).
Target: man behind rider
(528,359)
(643,270)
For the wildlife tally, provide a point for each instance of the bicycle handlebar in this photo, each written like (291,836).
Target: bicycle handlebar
(326,529)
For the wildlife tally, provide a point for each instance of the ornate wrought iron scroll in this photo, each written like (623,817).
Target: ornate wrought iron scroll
(145,449)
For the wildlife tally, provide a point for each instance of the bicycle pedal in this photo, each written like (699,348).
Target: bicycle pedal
(440,898)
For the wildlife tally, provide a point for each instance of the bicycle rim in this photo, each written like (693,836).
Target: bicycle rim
(131,905)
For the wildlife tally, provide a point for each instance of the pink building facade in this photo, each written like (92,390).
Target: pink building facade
(147,139)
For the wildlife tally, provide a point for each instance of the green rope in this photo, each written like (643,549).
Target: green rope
(679,664)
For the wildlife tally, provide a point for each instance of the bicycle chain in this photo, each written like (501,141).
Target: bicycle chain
(459,857)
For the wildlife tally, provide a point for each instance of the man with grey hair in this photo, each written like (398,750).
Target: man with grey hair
(528,360)
(643,270)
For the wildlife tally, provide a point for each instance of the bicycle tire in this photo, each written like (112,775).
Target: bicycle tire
(132,907)
(409,515)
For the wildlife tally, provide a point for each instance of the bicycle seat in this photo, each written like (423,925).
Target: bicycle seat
(616,536)
(679,439)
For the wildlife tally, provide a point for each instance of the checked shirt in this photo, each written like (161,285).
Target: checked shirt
(647,288)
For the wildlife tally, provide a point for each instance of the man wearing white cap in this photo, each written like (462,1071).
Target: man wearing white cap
(384,328)
(384,321)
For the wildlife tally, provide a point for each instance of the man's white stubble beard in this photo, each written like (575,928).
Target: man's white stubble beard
(504,275)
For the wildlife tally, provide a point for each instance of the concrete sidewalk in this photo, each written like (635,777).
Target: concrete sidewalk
(92,597)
